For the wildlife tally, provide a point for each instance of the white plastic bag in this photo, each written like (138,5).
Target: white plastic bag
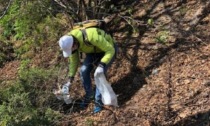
(107,93)
(63,94)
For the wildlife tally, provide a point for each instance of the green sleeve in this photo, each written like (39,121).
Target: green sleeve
(73,63)
(98,39)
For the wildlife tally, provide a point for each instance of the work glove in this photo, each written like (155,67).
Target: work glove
(65,88)
(99,70)
(65,92)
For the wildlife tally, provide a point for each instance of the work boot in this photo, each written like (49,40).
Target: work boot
(98,107)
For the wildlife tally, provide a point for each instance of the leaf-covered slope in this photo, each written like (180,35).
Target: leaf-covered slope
(161,75)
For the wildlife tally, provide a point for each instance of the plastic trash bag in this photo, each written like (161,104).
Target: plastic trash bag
(63,93)
(107,93)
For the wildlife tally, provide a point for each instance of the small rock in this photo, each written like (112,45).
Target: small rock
(155,71)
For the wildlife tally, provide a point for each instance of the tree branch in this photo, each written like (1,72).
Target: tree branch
(60,3)
(199,15)
(6,9)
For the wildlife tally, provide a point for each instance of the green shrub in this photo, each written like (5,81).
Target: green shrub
(18,111)
(22,23)
(27,101)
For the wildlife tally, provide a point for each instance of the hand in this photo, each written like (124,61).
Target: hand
(65,88)
(99,70)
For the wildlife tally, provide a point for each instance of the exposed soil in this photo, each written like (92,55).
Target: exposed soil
(157,82)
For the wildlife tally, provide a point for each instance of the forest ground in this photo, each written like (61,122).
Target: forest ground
(161,75)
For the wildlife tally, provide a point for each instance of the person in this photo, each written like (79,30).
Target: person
(100,52)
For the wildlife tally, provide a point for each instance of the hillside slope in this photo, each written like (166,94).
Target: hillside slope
(162,72)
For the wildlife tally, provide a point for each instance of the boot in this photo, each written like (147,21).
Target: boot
(98,106)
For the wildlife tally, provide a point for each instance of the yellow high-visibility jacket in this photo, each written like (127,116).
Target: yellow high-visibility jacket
(100,41)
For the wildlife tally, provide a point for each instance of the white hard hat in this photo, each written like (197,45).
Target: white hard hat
(66,43)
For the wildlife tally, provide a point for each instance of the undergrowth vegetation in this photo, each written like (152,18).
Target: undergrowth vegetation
(24,29)
(27,101)
(27,25)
